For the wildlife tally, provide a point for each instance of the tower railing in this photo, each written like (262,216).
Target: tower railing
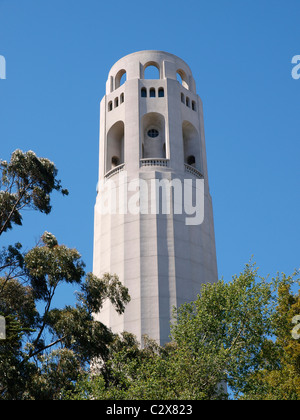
(155,162)
(114,171)
(190,169)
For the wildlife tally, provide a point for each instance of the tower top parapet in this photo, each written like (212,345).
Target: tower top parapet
(134,65)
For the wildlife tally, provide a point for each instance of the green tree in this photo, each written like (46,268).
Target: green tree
(45,350)
(281,380)
(224,331)
(236,334)
(26,182)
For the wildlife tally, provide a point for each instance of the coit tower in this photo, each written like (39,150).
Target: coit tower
(153,214)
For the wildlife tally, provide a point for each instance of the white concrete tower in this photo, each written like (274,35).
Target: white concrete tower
(152,129)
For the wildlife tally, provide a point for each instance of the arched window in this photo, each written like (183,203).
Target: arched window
(182,78)
(122,98)
(144,92)
(115,146)
(120,78)
(187,102)
(193,105)
(123,79)
(182,98)
(116,102)
(179,79)
(110,106)
(191,145)
(161,92)
(153,136)
(151,71)
(152,93)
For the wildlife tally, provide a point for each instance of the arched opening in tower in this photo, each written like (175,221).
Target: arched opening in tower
(120,78)
(182,78)
(191,145)
(151,71)
(115,146)
(153,136)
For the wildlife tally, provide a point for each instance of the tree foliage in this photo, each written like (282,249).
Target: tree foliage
(281,380)
(236,335)
(46,351)
(26,181)
(46,348)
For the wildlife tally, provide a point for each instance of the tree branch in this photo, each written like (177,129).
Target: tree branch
(47,308)
(59,340)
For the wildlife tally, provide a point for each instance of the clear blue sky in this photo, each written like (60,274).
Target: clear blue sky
(58,55)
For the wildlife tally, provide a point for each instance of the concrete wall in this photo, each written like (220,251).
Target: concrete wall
(158,257)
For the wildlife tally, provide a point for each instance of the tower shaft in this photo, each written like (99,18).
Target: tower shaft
(152,156)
